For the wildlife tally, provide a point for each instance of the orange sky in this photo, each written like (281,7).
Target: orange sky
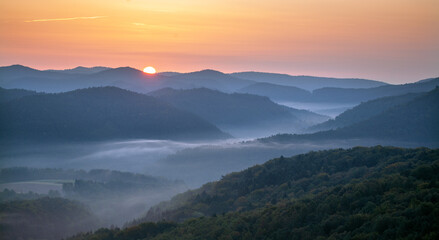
(392,40)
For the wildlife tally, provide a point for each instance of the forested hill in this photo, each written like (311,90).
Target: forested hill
(11,94)
(99,114)
(359,193)
(366,111)
(224,109)
(238,112)
(415,122)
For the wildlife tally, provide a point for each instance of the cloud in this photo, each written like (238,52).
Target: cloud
(139,24)
(64,19)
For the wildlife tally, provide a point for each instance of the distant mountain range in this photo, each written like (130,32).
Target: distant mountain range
(309,83)
(360,95)
(397,119)
(277,92)
(81,70)
(99,114)
(18,76)
(235,113)
(281,93)
(278,87)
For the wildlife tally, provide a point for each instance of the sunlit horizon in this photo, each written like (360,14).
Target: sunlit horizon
(392,41)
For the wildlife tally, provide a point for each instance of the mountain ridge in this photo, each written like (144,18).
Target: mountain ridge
(99,113)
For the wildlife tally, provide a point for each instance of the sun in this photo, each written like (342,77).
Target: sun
(149,70)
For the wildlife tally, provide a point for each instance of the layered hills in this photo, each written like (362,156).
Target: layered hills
(99,114)
(238,112)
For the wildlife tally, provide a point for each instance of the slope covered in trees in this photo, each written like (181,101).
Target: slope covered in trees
(99,114)
(238,111)
(277,92)
(361,95)
(365,111)
(359,193)
(414,122)
(327,90)
(11,94)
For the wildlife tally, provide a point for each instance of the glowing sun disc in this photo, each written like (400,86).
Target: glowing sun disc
(149,70)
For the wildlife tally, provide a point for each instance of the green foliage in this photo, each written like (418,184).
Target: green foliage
(141,231)
(359,193)
(288,178)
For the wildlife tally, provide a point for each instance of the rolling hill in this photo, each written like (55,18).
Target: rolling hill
(415,121)
(7,95)
(99,114)
(285,91)
(358,193)
(365,111)
(361,95)
(210,79)
(238,112)
(277,92)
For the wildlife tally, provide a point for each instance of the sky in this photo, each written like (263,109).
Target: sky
(395,41)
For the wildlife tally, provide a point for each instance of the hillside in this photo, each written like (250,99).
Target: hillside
(209,79)
(44,218)
(99,114)
(238,112)
(113,197)
(309,83)
(284,91)
(415,122)
(7,95)
(277,92)
(359,193)
(361,95)
(365,111)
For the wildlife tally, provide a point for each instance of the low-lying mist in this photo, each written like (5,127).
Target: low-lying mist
(329,109)
(193,162)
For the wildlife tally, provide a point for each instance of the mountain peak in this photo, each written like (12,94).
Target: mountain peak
(120,71)
(208,72)
(18,67)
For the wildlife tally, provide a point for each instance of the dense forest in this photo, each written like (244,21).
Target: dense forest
(359,193)
(11,94)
